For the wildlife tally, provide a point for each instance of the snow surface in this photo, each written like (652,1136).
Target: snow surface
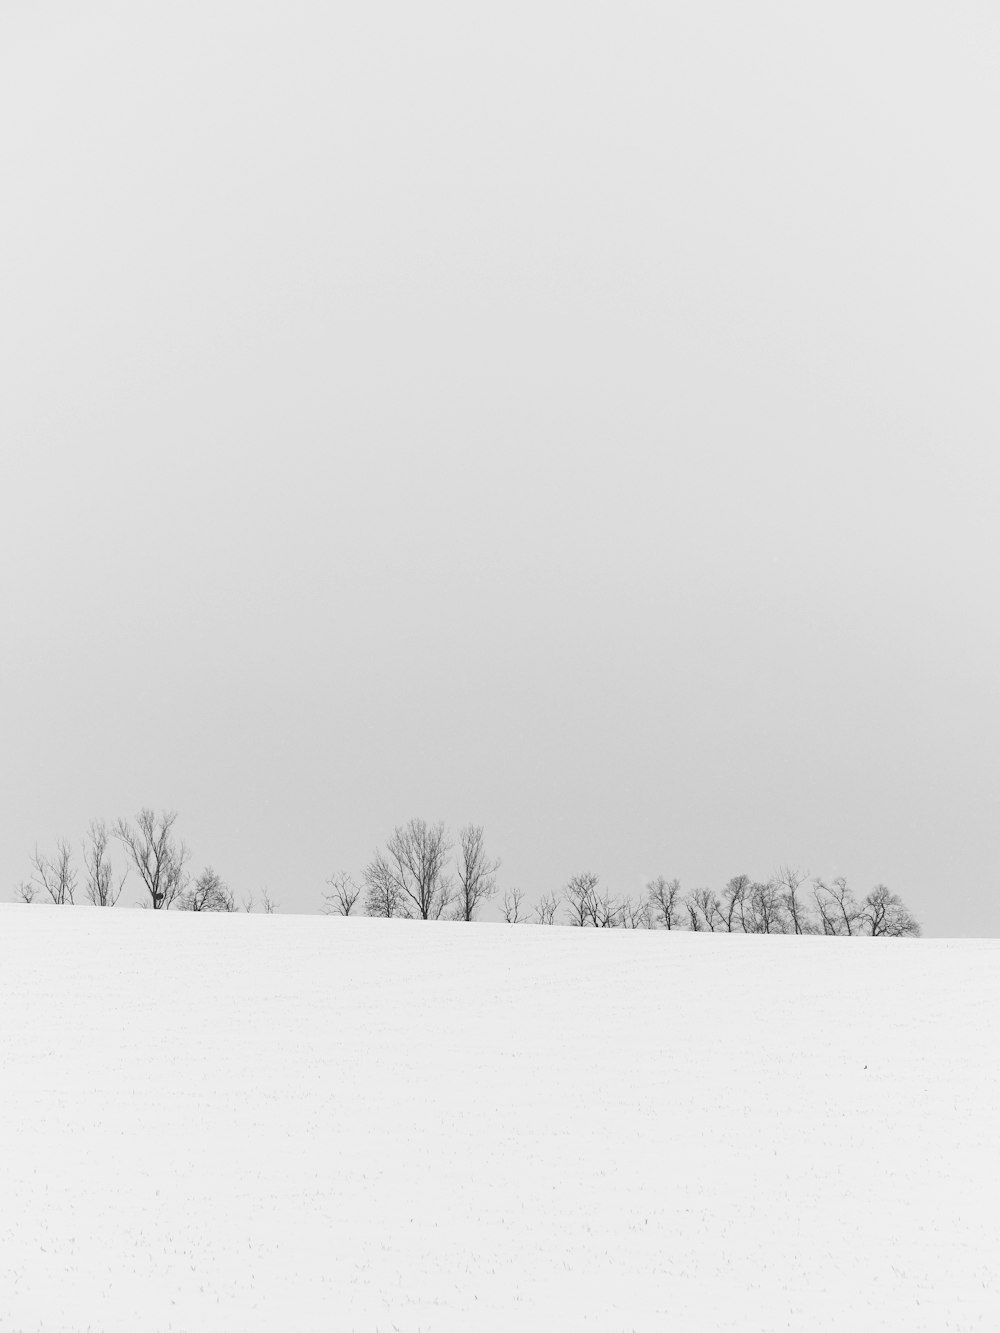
(248,1122)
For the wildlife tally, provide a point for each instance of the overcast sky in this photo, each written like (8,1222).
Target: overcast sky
(580,419)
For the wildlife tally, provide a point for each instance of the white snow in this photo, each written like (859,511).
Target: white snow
(265,1123)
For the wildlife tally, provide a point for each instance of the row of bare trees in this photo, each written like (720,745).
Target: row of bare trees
(152,851)
(413,876)
(789,904)
(785,904)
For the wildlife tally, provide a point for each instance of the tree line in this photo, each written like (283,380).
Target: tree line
(421,873)
(413,876)
(152,852)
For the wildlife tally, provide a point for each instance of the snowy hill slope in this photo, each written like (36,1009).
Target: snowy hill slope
(253,1123)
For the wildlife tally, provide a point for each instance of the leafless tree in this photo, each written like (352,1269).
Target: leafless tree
(247,902)
(56,875)
(730,909)
(694,913)
(102,889)
(208,894)
(25,891)
(633,915)
(827,920)
(605,913)
(589,905)
(883,913)
(511,906)
(546,909)
(789,882)
(704,909)
(344,893)
(664,899)
(751,919)
(414,861)
(156,854)
(837,907)
(764,910)
(477,881)
(580,897)
(383,896)
(268,903)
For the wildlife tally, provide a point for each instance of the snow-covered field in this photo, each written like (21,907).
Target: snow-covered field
(267,1123)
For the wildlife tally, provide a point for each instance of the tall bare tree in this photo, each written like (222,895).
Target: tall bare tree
(209,893)
(789,883)
(631,914)
(511,906)
(883,913)
(731,906)
(415,861)
(704,909)
(764,910)
(838,910)
(156,855)
(103,886)
(580,897)
(664,898)
(477,873)
(344,893)
(56,875)
(604,911)
(827,920)
(383,896)
(546,909)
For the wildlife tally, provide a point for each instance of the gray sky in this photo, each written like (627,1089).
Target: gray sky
(581,419)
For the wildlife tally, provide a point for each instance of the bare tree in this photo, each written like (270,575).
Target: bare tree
(789,882)
(704,909)
(344,893)
(545,911)
(632,915)
(102,890)
(827,920)
(477,880)
(604,911)
(56,875)
(590,905)
(414,861)
(247,902)
(663,896)
(836,905)
(883,913)
(156,854)
(383,896)
(580,897)
(764,909)
(511,906)
(268,903)
(25,891)
(730,908)
(208,894)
